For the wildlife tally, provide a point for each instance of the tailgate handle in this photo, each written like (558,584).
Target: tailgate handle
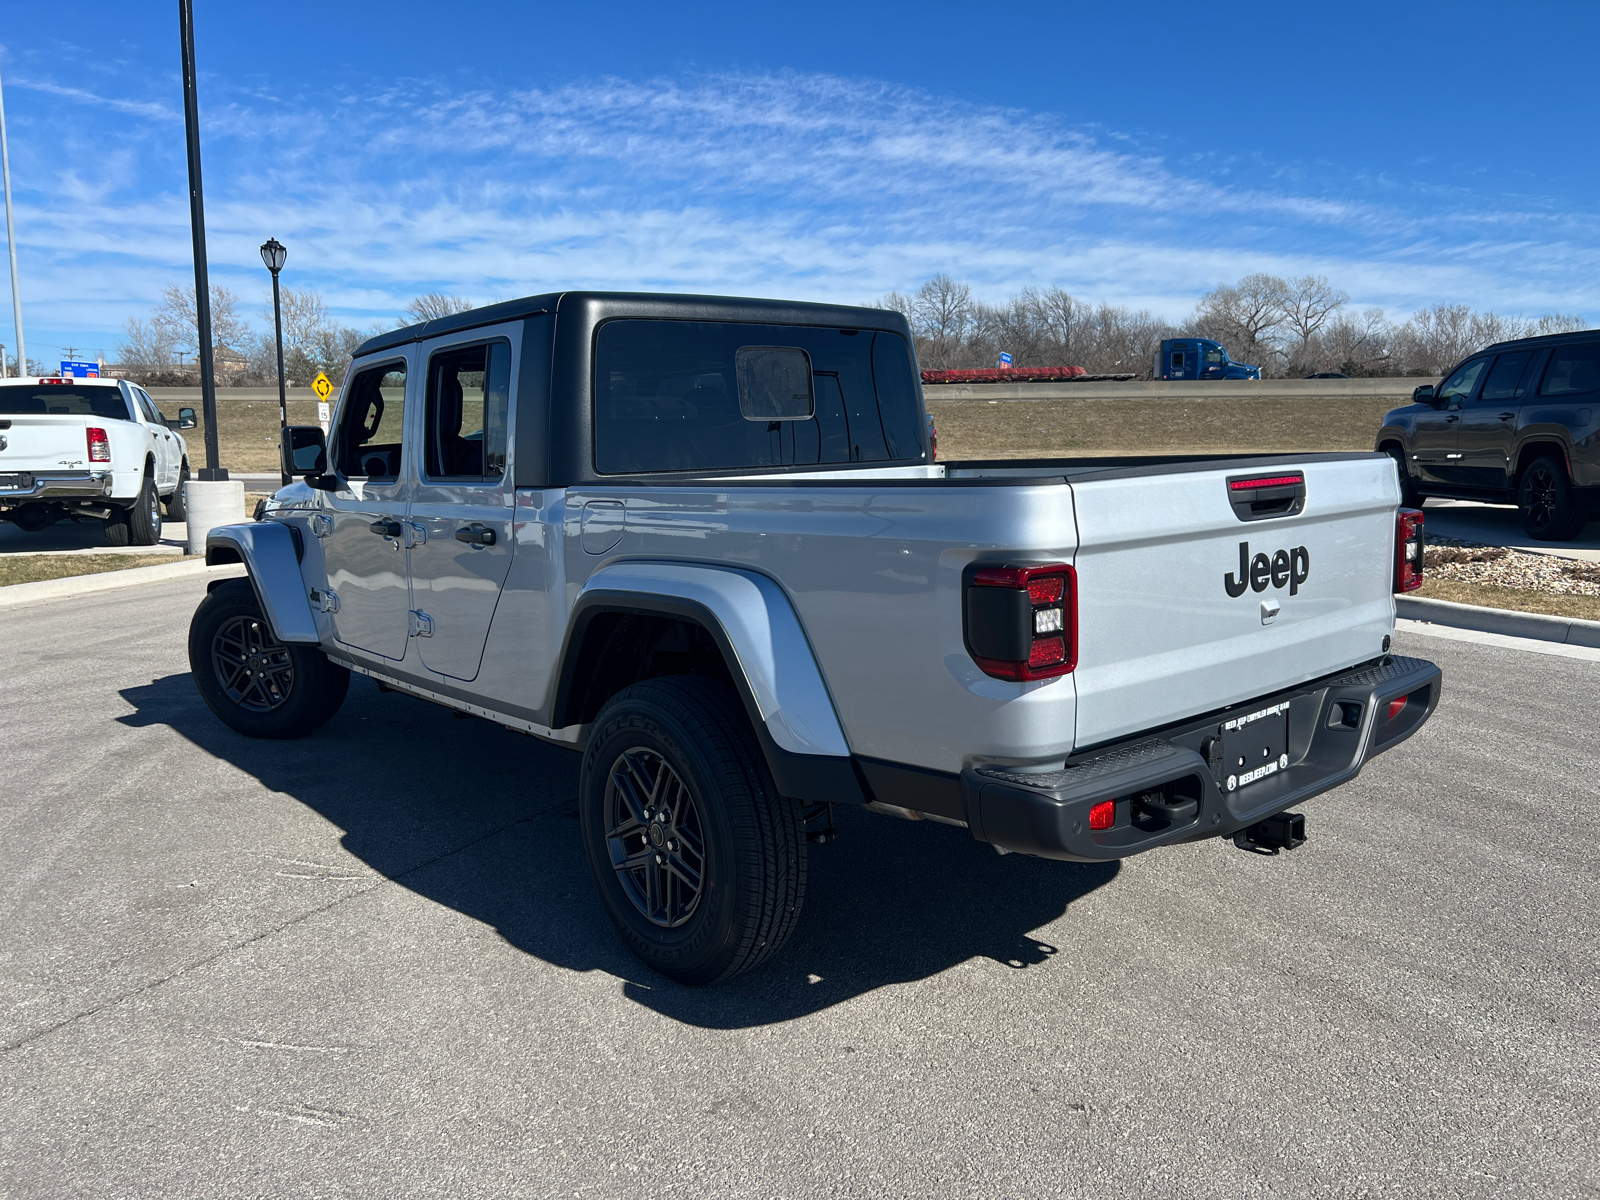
(1257,497)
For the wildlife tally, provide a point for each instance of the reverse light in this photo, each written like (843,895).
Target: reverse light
(1408,550)
(99,444)
(1103,815)
(1022,622)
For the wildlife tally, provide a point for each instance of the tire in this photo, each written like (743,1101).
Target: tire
(175,508)
(727,827)
(116,527)
(1409,496)
(1544,498)
(294,690)
(140,523)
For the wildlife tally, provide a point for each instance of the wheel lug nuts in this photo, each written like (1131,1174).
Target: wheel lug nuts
(673,845)
(661,860)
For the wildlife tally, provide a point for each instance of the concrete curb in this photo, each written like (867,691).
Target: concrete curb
(106,581)
(1569,630)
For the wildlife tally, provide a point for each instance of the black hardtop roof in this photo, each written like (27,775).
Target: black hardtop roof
(1546,339)
(644,304)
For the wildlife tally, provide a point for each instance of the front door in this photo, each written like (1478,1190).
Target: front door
(462,509)
(1435,454)
(1489,423)
(367,549)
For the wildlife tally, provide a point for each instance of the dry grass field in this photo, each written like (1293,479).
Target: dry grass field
(977,429)
(248,431)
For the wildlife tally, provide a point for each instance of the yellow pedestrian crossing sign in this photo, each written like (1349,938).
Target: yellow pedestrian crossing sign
(321,386)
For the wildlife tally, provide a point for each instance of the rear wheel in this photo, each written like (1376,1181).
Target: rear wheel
(254,683)
(1545,500)
(700,863)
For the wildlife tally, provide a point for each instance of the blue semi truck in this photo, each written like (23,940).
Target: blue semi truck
(1198,358)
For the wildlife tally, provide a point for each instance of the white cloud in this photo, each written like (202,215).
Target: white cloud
(792,185)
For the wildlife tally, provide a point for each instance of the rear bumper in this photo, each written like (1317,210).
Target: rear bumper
(1334,726)
(58,485)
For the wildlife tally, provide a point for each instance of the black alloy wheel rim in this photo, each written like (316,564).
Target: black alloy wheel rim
(254,669)
(1541,497)
(655,837)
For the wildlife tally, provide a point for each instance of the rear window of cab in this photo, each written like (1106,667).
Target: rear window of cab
(64,399)
(714,395)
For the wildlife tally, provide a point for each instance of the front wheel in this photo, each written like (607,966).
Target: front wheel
(176,511)
(254,683)
(700,863)
(1545,500)
(1409,496)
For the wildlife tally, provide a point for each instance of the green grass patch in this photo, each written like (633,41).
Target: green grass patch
(30,568)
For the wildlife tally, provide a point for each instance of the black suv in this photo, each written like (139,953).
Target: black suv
(1515,422)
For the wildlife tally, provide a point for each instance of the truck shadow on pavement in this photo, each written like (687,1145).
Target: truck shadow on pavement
(482,820)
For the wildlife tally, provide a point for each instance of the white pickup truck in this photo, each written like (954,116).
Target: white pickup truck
(96,449)
(705,542)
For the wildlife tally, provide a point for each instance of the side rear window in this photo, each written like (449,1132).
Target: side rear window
(711,395)
(1505,377)
(469,389)
(1573,370)
(367,444)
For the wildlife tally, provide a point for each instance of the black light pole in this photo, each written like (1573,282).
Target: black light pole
(197,225)
(274,253)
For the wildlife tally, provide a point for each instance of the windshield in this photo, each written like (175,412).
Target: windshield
(66,400)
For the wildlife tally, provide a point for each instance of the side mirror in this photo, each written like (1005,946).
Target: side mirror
(1423,394)
(304,451)
(185,419)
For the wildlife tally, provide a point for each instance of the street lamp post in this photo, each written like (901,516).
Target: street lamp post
(274,253)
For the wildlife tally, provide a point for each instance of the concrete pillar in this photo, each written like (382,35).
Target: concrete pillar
(209,503)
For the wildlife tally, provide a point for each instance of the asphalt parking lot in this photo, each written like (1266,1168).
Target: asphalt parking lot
(371,963)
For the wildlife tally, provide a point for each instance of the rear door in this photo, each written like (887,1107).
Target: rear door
(163,446)
(1188,601)
(1489,422)
(462,508)
(43,424)
(367,547)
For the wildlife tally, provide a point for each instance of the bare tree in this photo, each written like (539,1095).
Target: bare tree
(433,305)
(1245,317)
(942,316)
(146,348)
(1308,302)
(180,324)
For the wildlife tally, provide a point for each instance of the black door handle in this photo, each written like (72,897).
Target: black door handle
(1507,416)
(1450,419)
(385,528)
(475,535)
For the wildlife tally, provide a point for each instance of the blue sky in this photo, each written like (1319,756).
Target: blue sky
(1413,154)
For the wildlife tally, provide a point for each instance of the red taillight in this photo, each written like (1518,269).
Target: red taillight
(1266,481)
(1408,550)
(1103,815)
(1022,622)
(99,444)
(1396,707)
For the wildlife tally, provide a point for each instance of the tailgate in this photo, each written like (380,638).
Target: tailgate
(45,443)
(1160,636)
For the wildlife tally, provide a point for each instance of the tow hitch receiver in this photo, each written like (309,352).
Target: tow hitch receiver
(1281,831)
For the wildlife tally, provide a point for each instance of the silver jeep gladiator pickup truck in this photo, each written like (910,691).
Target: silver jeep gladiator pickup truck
(705,543)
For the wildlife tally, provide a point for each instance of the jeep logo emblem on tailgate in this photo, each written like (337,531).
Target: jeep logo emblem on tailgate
(1292,567)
